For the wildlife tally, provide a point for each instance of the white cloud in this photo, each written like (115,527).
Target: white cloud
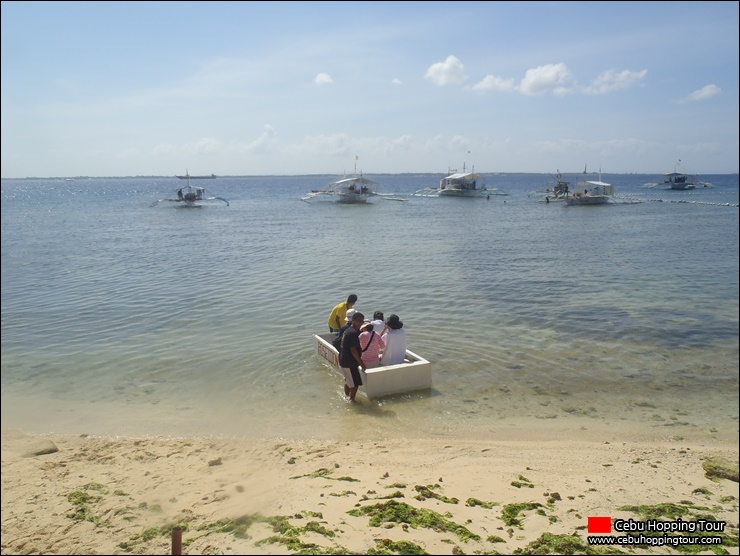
(612,80)
(401,143)
(261,144)
(704,93)
(494,83)
(335,144)
(550,78)
(449,72)
(323,79)
(396,81)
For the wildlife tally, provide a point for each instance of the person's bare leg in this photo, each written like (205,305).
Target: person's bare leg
(352,393)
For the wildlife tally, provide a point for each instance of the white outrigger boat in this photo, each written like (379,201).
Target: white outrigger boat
(461,184)
(679,179)
(190,196)
(557,192)
(415,373)
(591,192)
(354,189)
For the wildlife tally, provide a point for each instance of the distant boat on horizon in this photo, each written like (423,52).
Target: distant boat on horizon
(189,177)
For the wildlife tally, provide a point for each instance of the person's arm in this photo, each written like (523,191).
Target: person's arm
(357,357)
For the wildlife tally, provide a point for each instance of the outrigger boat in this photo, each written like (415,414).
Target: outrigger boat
(190,196)
(679,179)
(415,373)
(591,192)
(186,177)
(461,184)
(557,192)
(354,189)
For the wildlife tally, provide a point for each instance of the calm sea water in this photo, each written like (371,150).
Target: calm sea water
(119,317)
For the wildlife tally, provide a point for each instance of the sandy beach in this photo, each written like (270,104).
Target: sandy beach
(83,494)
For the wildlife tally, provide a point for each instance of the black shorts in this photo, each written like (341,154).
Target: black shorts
(356,376)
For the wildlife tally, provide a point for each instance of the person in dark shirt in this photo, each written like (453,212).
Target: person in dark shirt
(347,325)
(350,357)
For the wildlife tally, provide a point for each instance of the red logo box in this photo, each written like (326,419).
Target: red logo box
(599,524)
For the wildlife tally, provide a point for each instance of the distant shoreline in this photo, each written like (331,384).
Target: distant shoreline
(75,178)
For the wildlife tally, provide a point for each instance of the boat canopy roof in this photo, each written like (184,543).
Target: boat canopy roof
(360,180)
(593,183)
(670,174)
(461,176)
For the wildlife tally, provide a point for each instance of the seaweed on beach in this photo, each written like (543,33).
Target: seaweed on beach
(658,511)
(325,473)
(400,512)
(151,533)
(719,468)
(82,501)
(511,512)
(426,492)
(472,502)
(289,535)
(387,546)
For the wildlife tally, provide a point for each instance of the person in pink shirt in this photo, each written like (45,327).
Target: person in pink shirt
(370,343)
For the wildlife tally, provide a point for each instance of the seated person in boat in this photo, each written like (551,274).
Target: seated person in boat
(394,336)
(371,343)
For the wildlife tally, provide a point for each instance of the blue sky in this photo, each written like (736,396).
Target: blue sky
(285,88)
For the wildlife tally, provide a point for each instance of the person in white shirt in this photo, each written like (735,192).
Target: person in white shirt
(395,342)
(378,322)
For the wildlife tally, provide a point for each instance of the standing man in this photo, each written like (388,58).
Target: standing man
(339,313)
(350,357)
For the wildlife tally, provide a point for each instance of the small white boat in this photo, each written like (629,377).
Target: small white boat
(462,184)
(348,189)
(415,373)
(557,192)
(679,179)
(190,197)
(189,177)
(354,189)
(590,193)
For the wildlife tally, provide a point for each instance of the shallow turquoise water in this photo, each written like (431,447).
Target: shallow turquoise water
(127,318)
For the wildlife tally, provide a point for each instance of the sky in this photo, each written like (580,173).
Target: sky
(292,88)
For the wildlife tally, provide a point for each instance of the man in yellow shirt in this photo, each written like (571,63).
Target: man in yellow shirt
(339,313)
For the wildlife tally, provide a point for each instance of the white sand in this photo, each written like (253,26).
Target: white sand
(156,483)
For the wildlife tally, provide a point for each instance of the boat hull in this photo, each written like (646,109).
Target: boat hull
(447,192)
(353,198)
(415,373)
(586,200)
